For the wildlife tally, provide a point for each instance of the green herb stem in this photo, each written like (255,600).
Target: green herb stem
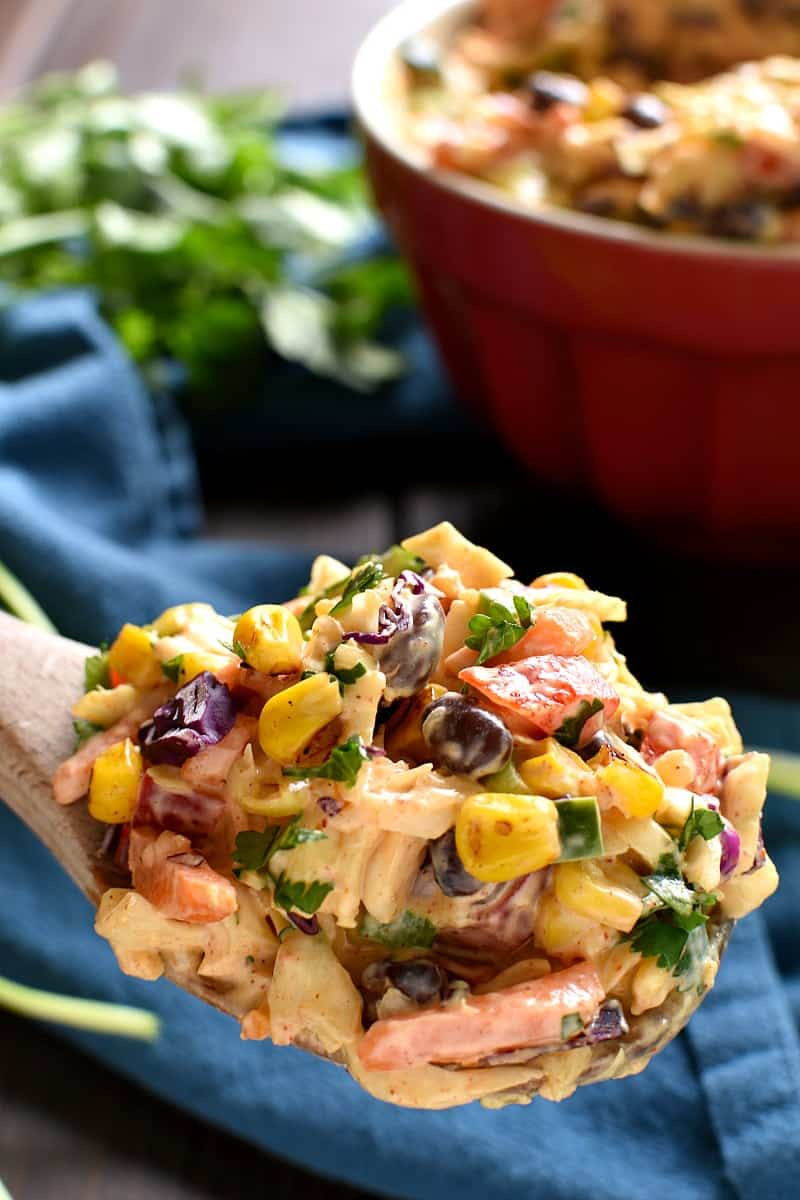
(20,603)
(784,774)
(120,1020)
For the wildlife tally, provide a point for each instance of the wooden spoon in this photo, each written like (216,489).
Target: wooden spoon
(41,676)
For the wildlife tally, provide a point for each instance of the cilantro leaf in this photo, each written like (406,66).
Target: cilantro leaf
(303,897)
(659,939)
(236,648)
(253,849)
(172,667)
(362,580)
(409,929)
(702,822)
(569,732)
(84,730)
(494,628)
(96,671)
(342,765)
(343,675)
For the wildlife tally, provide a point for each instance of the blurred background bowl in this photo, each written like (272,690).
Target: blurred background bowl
(658,372)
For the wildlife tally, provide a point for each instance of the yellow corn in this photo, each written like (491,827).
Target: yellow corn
(271,639)
(563,933)
(636,792)
(609,894)
(174,620)
(105,706)
(556,772)
(290,719)
(403,734)
(565,579)
(500,837)
(132,657)
(194,662)
(115,783)
(606,98)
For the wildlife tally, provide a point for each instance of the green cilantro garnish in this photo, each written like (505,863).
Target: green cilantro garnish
(571,1025)
(303,897)
(96,671)
(84,730)
(668,933)
(236,648)
(495,628)
(410,929)
(343,675)
(362,580)
(569,732)
(172,667)
(702,822)
(728,137)
(342,765)
(254,851)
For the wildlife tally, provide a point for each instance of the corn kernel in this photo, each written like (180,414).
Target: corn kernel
(174,620)
(606,98)
(114,788)
(636,792)
(290,719)
(271,638)
(565,934)
(556,772)
(500,837)
(604,895)
(194,662)
(565,579)
(403,734)
(133,659)
(105,706)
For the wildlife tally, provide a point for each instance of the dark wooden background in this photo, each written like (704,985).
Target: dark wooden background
(70,1130)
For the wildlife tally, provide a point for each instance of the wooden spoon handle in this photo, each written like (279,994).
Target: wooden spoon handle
(41,677)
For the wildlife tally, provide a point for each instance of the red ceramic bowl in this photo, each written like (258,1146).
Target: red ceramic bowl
(661,372)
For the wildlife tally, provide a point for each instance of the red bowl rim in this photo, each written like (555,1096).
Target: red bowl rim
(377,111)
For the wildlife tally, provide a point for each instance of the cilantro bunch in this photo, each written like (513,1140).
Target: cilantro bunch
(494,628)
(254,851)
(204,244)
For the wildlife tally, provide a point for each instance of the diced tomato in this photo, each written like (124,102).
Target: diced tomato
(667,731)
(176,880)
(529,1014)
(545,691)
(114,677)
(563,631)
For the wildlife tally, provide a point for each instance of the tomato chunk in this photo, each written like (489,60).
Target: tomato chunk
(545,691)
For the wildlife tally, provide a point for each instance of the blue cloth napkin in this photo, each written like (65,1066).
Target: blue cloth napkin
(98,515)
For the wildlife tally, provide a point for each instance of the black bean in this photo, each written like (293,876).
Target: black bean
(420,980)
(411,656)
(449,872)
(646,111)
(546,89)
(746,220)
(465,738)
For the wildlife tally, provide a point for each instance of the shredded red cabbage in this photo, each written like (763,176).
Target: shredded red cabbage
(731,845)
(307,925)
(199,715)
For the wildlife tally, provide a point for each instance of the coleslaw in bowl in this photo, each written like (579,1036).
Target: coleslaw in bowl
(421,820)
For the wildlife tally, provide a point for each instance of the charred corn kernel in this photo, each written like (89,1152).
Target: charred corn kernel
(500,837)
(115,783)
(589,890)
(289,720)
(635,791)
(174,620)
(675,768)
(105,706)
(650,986)
(271,639)
(403,734)
(565,934)
(675,808)
(564,579)
(133,659)
(194,662)
(557,772)
(605,99)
